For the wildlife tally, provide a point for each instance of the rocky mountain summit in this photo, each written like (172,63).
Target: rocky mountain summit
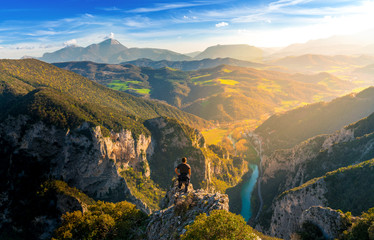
(180,210)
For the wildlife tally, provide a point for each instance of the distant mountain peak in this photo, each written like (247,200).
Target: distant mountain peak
(110,51)
(110,41)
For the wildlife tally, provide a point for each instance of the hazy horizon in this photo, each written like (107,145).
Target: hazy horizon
(33,28)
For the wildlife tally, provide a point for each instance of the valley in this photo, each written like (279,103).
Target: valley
(284,142)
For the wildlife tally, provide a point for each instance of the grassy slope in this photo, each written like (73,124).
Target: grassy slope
(22,76)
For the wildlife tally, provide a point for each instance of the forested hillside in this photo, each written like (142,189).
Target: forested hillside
(290,128)
(38,86)
(224,93)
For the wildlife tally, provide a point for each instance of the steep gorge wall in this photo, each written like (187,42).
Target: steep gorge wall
(290,168)
(172,141)
(82,157)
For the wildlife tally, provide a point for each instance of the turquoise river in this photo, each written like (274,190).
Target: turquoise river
(246,193)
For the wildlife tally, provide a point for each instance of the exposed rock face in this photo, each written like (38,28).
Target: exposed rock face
(171,142)
(181,210)
(331,222)
(293,160)
(289,207)
(290,168)
(290,160)
(344,135)
(82,157)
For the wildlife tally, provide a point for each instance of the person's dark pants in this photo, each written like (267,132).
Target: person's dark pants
(183,179)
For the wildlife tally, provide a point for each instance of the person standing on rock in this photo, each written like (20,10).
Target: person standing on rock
(184,174)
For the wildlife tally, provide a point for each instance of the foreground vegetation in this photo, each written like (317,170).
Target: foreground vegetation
(221,225)
(103,221)
(144,188)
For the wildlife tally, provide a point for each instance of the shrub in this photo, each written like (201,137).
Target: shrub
(219,225)
(103,221)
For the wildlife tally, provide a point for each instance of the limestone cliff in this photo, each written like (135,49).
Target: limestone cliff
(181,210)
(348,188)
(331,222)
(306,204)
(289,207)
(82,157)
(290,168)
(172,140)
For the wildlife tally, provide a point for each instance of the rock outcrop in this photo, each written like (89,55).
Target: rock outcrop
(331,222)
(181,209)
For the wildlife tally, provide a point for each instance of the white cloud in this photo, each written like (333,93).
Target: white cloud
(71,42)
(285,3)
(170,6)
(110,36)
(1,47)
(222,24)
(140,22)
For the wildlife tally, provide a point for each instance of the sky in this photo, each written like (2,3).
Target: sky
(33,27)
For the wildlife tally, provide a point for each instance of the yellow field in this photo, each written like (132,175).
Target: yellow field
(227,81)
(226,70)
(214,136)
(197,77)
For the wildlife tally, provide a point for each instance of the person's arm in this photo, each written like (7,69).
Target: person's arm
(176,171)
(189,171)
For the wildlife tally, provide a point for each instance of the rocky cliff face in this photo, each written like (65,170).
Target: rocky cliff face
(181,210)
(172,141)
(331,222)
(306,204)
(293,160)
(289,207)
(291,168)
(82,157)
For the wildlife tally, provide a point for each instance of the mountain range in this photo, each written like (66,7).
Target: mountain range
(239,51)
(223,93)
(191,65)
(355,44)
(112,51)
